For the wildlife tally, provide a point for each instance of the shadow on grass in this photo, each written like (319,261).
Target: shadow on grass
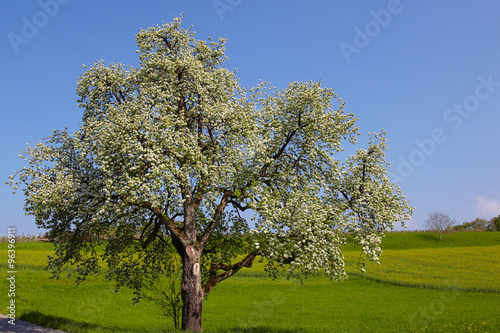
(258,330)
(55,322)
(65,324)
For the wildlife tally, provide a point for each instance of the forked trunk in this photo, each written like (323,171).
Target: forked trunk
(191,291)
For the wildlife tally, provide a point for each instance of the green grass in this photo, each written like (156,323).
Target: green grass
(472,268)
(426,240)
(357,305)
(447,275)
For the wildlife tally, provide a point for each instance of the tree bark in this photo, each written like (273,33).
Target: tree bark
(191,291)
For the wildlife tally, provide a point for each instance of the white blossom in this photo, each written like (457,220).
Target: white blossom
(179,128)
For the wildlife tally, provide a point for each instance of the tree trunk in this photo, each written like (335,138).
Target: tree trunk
(191,291)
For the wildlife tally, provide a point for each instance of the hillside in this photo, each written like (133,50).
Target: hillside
(424,240)
(466,261)
(450,281)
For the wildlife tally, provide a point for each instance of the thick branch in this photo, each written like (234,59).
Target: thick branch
(216,220)
(229,271)
(200,190)
(167,222)
(238,205)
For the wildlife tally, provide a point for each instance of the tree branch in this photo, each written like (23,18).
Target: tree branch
(279,153)
(238,205)
(229,271)
(167,222)
(216,220)
(146,228)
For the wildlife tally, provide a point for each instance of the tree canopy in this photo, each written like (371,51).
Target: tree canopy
(171,152)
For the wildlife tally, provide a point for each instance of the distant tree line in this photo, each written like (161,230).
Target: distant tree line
(21,238)
(479,224)
(443,223)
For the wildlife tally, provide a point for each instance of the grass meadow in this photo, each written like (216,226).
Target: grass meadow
(422,285)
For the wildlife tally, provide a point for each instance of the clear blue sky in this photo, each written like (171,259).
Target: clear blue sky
(427,72)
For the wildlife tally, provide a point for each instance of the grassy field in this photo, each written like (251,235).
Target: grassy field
(461,261)
(422,285)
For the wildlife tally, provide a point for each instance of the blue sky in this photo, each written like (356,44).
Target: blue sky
(426,72)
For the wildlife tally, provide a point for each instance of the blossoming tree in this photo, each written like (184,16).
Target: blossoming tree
(170,153)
